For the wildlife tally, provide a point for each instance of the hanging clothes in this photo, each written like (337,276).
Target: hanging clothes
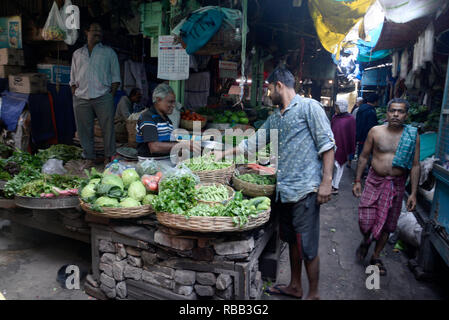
(404,65)
(197,90)
(134,76)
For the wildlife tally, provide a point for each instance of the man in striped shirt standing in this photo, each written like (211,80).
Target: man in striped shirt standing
(95,78)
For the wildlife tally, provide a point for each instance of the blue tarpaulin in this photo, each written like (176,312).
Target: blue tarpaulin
(12,107)
(366,53)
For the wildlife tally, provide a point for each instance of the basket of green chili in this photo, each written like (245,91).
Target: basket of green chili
(253,184)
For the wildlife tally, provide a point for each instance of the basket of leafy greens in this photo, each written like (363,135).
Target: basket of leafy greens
(237,215)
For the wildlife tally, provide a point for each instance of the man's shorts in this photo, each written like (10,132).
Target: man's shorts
(300,223)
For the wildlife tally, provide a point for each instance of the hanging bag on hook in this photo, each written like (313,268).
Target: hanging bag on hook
(72,32)
(199,28)
(54,28)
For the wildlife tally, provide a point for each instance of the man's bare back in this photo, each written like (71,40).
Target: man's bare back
(385,144)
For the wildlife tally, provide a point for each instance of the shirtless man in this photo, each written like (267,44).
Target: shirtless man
(381,201)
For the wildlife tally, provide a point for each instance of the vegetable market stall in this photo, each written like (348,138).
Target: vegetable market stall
(203,240)
(39,192)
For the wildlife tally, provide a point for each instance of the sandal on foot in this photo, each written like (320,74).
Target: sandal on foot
(380,265)
(362,251)
(280,291)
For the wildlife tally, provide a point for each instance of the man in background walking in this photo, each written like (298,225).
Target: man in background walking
(343,127)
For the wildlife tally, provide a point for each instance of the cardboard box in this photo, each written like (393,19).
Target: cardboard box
(55,73)
(28,83)
(5,71)
(12,57)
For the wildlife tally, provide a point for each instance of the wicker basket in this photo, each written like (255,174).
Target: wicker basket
(219,176)
(119,213)
(231,193)
(131,128)
(251,189)
(209,224)
(188,124)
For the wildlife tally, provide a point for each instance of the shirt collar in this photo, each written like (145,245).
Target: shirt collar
(296,99)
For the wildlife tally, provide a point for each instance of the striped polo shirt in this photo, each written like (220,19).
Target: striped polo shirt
(151,127)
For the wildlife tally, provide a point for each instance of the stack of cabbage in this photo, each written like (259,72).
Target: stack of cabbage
(110,190)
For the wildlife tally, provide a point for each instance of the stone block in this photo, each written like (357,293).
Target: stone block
(223,281)
(226,294)
(121,290)
(106,246)
(90,279)
(185,277)
(234,247)
(108,258)
(183,290)
(143,245)
(107,280)
(132,272)
(156,279)
(206,278)
(106,268)
(168,273)
(120,251)
(109,292)
(133,251)
(203,254)
(118,270)
(173,242)
(204,291)
(134,261)
(148,258)
(92,291)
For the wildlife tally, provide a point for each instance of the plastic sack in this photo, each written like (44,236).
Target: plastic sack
(179,171)
(54,29)
(116,167)
(408,229)
(147,167)
(71,34)
(54,166)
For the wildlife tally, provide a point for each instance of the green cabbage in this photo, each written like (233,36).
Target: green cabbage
(137,190)
(114,180)
(129,202)
(106,202)
(148,198)
(95,181)
(88,191)
(129,176)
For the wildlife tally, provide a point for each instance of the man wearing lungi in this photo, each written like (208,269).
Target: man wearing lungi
(395,152)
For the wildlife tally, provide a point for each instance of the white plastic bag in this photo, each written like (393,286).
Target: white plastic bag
(71,34)
(54,29)
(53,166)
(409,230)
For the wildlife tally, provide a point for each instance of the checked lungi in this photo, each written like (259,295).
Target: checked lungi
(380,204)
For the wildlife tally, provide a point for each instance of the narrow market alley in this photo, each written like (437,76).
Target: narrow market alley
(29,265)
(341,276)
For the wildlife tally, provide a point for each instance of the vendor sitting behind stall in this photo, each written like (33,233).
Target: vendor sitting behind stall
(154,128)
(124,110)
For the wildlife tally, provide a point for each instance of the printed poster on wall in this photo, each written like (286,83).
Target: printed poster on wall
(173,60)
(11,32)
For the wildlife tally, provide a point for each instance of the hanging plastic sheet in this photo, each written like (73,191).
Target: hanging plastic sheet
(402,11)
(366,53)
(347,65)
(334,19)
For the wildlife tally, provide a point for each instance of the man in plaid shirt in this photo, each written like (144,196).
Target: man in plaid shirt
(395,152)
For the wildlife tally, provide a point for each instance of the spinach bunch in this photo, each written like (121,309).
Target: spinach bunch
(177,194)
(14,185)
